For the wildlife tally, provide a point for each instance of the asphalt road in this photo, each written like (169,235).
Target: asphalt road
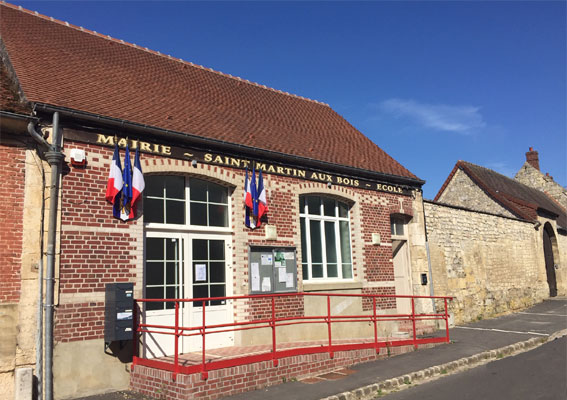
(539,374)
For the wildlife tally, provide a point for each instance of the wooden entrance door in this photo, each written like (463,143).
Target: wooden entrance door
(549,262)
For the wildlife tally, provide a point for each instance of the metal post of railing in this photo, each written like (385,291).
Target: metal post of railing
(446,322)
(176,355)
(204,374)
(329,325)
(375,325)
(413,322)
(273,323)
(134,333)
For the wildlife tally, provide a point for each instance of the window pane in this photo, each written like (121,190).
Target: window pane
(171,273)
(332,271)
(154,186)
(218,215)
(330,242)
(303,241)
(317,270)
(175,212)
(304,265)
(329,207)
(314,205)
(345,242)
(200,291)
(198,214)
(217,272)
(174,187)
(154,273)
(198,189)
(171,249)
(217,291)
(154,293)
(200,251)
(218,194)
(153,210)
(170,293)
(154,249)
(347,271)
(302,204)
(216,250)
(392,228)
(343,210)
(399,228)
(316,250)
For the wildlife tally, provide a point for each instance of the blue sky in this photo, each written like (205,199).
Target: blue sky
(429,82)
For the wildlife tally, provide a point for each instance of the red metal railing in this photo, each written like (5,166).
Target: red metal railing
(273,323)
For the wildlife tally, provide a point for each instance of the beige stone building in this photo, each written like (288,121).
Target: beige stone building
(497,244)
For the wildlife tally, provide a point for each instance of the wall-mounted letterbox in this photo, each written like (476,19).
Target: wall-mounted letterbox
(118,312)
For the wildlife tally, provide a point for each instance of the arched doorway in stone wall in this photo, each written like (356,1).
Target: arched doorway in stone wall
(549,242)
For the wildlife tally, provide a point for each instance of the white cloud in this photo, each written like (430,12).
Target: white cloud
(458,119)
(502,168)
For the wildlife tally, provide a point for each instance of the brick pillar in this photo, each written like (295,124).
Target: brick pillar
(533,158)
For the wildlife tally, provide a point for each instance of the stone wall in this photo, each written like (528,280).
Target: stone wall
(462,190)
(490,264)
(532,177)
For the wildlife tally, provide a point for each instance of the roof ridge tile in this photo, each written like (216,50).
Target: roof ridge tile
(120,41)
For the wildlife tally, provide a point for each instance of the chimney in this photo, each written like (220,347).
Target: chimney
(532,158)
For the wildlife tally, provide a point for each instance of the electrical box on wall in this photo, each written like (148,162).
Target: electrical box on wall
(118,312)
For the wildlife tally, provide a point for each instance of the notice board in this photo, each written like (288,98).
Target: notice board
(272,270)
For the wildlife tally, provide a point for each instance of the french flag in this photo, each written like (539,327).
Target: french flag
(261,203)
(138,184)
(115,183)
(125,201)
(247,202)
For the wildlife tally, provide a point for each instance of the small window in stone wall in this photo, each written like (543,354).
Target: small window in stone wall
(397,226)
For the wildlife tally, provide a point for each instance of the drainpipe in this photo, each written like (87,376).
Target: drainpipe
(54,158)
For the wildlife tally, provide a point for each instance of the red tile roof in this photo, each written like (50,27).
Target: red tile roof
(522,200)
(67,66)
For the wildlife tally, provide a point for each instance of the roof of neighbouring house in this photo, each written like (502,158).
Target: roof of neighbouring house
(66,66)
(523,201)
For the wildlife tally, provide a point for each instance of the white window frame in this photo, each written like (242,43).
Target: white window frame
(187,226)
(322,219)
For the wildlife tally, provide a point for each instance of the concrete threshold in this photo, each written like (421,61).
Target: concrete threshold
(408,380)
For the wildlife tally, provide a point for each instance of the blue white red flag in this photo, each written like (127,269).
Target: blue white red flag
(254,194)
(114,184)
(261,203)
(125,200)
(138,185)
(247,201)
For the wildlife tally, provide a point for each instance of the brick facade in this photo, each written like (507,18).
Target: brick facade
(97,249)
(230,381)
(12,176)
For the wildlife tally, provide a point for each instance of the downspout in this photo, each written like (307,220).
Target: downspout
(54,158)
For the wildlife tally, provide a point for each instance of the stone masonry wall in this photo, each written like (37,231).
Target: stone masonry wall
(532,177)
(490,264)
(462,190)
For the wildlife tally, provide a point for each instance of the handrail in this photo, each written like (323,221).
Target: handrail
(273,323)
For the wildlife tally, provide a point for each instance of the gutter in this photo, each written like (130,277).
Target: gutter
(227,146)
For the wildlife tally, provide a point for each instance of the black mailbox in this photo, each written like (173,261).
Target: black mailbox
(119,306)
